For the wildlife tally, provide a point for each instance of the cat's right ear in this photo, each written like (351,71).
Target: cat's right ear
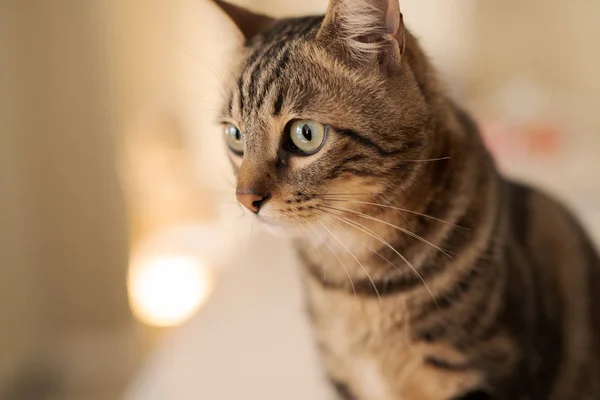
(248,22)
(368,33)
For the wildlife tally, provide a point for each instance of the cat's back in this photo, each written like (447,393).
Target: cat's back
(558,269)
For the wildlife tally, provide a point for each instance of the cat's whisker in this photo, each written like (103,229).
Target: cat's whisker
(311,239)
(364,244)
(406,231)
(427,160)
(355,259)
(364,229)
(398,209)
(334,199)
(334,253)
(387,202)
(342,194)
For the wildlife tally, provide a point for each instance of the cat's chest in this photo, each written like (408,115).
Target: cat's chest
(361,346)
(368,347)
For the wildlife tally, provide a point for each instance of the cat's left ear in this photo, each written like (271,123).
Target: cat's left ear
(248,22)
(365,32)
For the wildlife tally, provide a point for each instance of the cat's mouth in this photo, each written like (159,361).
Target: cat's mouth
(277,223)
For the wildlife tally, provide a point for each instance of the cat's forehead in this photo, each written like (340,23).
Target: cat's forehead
(275,64)
(286,74)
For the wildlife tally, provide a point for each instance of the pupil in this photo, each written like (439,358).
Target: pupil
(237,135)
(307,133)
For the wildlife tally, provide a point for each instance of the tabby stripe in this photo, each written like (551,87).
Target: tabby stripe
(355,158)
(278,105)
(445,365)
(279,36)
(482,315)
(241,94)
(475,395)
(431,335)
(343,390)
(367,142)
(363,287)
(254,66)
(230,104)
(452,296)
(478,303)
(272,56)
(456,293)
(340,169)
(342,166)
(281,63)
(254,77)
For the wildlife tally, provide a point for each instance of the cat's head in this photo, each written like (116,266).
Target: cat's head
(325,109)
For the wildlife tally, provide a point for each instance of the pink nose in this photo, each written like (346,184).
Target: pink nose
(252,201)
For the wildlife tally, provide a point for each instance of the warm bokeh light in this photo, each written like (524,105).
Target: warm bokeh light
(166,290)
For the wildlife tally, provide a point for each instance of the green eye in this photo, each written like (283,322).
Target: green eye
(234,139)
(308,137)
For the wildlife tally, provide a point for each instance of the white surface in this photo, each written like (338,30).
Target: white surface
(250,341)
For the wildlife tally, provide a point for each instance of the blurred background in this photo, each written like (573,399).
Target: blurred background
(126,270)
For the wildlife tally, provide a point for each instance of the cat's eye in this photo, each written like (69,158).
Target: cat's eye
(307,137)
(234,139)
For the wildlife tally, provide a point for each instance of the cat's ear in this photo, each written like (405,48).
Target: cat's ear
(365,32)
(248,22)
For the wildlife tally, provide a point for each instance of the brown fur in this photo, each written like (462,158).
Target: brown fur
(428,275)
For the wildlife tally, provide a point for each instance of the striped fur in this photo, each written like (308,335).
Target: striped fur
(428,275)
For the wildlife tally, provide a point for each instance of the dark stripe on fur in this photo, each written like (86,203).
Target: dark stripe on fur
(240,85)
(445,365)
(281,63)
(480,274)
(281,35)
(368,142)
(386,287)
(278,105)
(343,390)
(476,395)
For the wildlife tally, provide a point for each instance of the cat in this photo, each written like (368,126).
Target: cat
(428,275)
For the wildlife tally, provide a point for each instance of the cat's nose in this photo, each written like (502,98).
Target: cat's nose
(252,201)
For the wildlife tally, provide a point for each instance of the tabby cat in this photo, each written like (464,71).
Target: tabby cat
(428,275)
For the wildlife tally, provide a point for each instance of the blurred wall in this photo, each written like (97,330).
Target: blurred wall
(62,230)
(553,41)
(535,62)
(21,328)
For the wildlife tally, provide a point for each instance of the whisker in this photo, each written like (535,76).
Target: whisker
(414,235)
(427,160)
(356,259)
(310,238)
(341,194)
(400,209)
(364,244)
(364,229)
(334,253)
(387,202)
